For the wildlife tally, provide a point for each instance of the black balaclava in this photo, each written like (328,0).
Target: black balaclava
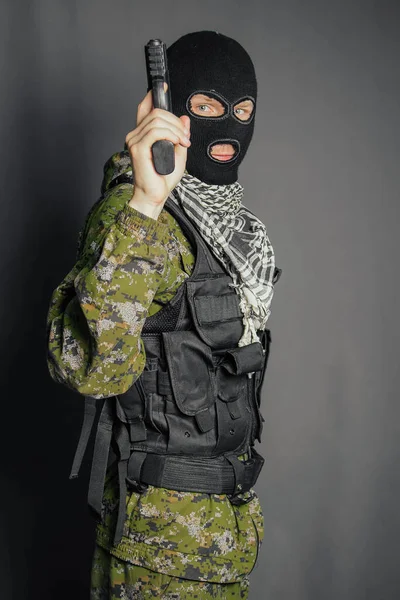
(211,63)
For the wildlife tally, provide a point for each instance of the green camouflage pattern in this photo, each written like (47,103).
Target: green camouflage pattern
(113,579)
(128,267)
(184,534)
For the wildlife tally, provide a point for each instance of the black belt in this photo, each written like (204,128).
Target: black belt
(219,475)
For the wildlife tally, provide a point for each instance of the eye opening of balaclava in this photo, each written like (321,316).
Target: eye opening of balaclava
(210,63)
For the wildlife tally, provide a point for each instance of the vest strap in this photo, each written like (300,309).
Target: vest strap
(123,444)
(135,464)
(205,420)
(131,408)
(100,456)
(87,425)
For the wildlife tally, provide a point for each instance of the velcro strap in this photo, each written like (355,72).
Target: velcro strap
(217,475)
(214,309)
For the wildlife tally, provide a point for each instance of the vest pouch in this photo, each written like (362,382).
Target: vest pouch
(244,359)
(232,407)
(233,404)
(215,311)
(191,369)
(190,410)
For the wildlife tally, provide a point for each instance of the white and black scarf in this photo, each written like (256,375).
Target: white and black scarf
(239,239)
(235,235)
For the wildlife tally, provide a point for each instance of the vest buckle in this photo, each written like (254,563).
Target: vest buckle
(136,486)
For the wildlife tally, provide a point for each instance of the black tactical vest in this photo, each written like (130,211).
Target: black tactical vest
(195,409)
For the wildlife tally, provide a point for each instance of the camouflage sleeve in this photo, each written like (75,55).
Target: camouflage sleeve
(97,313)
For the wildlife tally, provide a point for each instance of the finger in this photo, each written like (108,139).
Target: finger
(146,105)
(162,118)
(186,122)
(156,123)
(155,134)
(153,121)
(181,152)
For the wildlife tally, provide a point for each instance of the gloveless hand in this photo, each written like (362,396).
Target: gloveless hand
(156,124)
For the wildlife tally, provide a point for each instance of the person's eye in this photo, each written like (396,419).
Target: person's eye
(243,109)
(202,105)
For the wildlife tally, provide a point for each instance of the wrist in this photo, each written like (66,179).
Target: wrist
(145,206)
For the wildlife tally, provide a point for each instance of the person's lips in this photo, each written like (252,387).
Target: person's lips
(222,151)
(222,156)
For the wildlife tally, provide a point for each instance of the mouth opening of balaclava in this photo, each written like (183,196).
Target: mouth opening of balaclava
(216,66)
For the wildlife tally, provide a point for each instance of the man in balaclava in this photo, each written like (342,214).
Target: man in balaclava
(172,543)
(212,80)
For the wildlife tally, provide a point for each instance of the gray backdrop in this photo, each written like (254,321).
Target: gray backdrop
(322,173)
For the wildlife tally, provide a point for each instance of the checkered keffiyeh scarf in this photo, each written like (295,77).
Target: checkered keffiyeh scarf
(239,239)
(236,236)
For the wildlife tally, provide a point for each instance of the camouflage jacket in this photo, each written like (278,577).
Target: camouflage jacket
(128,266)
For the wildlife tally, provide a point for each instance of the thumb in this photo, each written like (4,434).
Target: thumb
(144,108)
(186,121)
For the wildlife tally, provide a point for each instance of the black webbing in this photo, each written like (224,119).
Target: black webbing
(100,455)
(88,420)
(130,409)
(220,475)
(123,443)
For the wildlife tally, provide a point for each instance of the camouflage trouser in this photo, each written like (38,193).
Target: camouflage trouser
(113,579)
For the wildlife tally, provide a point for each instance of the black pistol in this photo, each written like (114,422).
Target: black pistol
(163,151)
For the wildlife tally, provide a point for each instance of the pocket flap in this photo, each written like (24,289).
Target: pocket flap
(191,370)
(214,309)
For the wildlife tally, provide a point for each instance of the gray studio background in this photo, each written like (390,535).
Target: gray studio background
(321,172)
